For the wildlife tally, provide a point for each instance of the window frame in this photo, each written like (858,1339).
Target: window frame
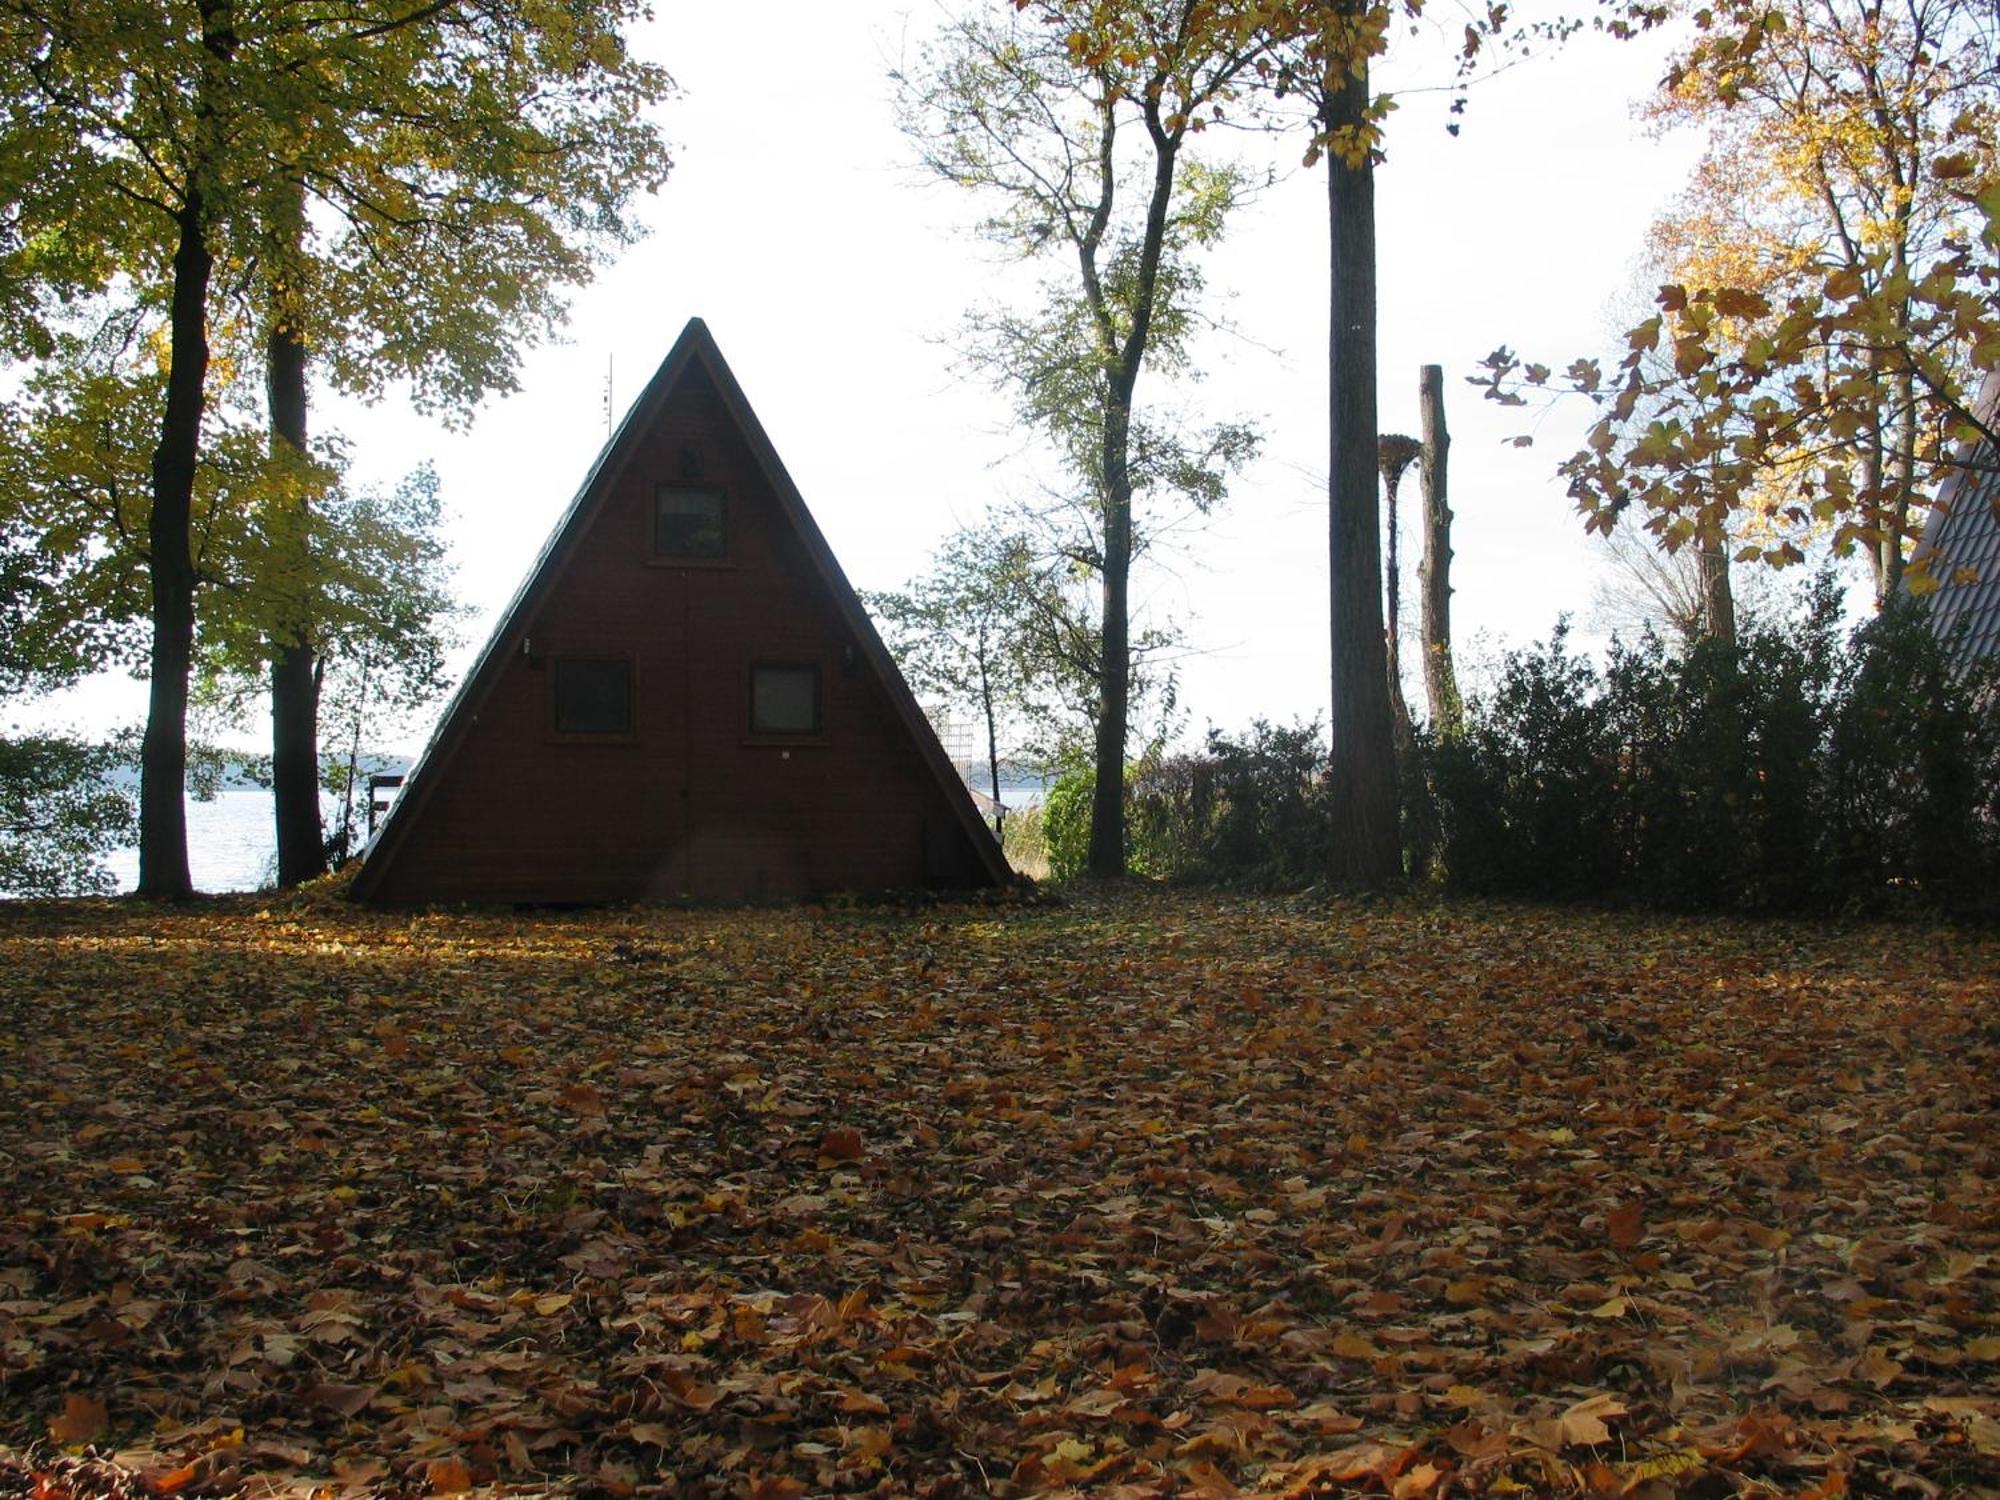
(766,734)
(624,736)
(655,553)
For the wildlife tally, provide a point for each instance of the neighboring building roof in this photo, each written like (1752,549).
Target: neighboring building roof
(694,347)
(1962,541)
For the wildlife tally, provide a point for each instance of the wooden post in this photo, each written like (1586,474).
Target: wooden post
(1434,572)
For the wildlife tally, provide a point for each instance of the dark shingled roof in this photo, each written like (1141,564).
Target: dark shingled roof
(1962,539)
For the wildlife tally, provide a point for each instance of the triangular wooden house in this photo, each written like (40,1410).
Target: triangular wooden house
(684,699)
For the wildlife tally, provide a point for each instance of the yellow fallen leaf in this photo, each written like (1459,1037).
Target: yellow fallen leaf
(1584,1422)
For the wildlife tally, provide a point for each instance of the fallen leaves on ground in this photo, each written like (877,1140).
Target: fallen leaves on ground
(1150,1194)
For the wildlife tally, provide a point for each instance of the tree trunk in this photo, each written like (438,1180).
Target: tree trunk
(163,850)
(1434,572)
(1367,846)
(992,735)
(1392,640)
(1107,803)
(1106,859)
(1871,483)
(1902,476)
(1718,597)
(294,682)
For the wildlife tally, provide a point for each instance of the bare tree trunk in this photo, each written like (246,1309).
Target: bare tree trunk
(1393,455)
(1367,843)
(1434,572)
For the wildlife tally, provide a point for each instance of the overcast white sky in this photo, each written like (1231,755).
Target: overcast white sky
(832,276)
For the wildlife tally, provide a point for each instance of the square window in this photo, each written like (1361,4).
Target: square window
(784,700)
(689,523)
(593,695)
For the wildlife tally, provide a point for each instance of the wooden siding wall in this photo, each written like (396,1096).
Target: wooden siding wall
(690,804)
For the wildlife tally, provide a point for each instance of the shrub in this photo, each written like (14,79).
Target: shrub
(1249,812)
(1066,823)
(1787,772)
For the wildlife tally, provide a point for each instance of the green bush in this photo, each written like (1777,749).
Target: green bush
(1788,772)
(1066,823)
(1249,812)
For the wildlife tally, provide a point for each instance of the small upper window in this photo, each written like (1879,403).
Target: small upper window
(593,695)
(784,700)
(689,522)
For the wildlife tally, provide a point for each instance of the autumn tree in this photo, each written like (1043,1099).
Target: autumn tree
(1835,291)
(457,163)
(1071,121)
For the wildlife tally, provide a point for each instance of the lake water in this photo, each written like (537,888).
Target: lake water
(232,843)
(233,840)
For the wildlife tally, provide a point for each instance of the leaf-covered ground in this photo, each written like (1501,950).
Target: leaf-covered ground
(1156,1194)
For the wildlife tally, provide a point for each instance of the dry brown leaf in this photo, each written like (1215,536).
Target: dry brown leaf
(84,1419)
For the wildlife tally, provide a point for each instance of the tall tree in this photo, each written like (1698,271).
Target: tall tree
(1836,291)
(461,161)
(294,670)
(1072,118)
(1368,847)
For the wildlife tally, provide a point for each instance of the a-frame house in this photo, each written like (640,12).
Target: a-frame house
(684,699)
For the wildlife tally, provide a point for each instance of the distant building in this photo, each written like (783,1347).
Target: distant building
(1961,540)
(685,698)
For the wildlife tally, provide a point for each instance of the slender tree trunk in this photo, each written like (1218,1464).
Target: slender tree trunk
(1434,572)
(1107,804)
(1871,482)
(992,737)
(294,682)
(354,765)
(163,850)
(1362,765)
(1392,637)
(1106,860)
(1903,478)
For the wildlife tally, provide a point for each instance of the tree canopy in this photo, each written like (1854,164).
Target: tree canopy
(402,192)
(1836,290)
(1069,120)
